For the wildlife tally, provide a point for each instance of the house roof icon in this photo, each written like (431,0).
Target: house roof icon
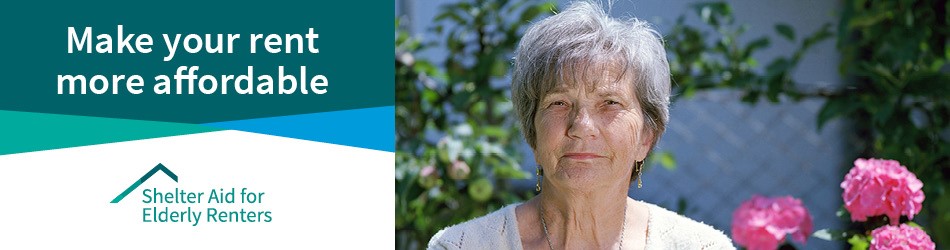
(145,177)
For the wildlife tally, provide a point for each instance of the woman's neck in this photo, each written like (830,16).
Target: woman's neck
(583,220)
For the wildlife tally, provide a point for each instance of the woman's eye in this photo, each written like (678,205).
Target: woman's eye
(558,103)
(611,102)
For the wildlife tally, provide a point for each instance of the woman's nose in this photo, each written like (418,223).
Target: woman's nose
(582,125)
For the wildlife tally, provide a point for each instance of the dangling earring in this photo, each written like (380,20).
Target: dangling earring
(638,168)
(539,172)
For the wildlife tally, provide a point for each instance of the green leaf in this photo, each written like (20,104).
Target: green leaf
(786,31)
(760,43)
(494,131)
(885,109)
(751,96)
(883,72)
(836,108)
(499,69)
(714,13)
(681,206)
(830,234)
(859,242)
(820,35)
(869,19)
(843,214)
(425,67)
(533,12)
(941,224)
(450,15)
(778,67)
(689,91)
(667,160)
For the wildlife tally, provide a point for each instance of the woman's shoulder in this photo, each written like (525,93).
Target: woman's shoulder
(496,230)
(669,230)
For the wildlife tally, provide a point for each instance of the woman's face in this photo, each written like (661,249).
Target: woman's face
(589,134)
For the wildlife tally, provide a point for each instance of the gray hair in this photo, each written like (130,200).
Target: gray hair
(584,36)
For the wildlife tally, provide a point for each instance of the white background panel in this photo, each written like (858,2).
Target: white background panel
(320,195)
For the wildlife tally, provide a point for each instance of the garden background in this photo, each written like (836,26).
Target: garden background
(773,97)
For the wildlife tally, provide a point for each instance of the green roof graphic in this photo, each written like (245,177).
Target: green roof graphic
(143,179)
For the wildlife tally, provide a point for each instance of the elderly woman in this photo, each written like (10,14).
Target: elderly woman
(592,94)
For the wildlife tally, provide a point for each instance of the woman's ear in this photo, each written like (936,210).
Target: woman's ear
(646,143)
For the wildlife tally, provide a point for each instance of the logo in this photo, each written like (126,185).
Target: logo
(144,178)
(218,205)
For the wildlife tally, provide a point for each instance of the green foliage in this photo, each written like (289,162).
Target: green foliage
(456,142)
(896,94)
(699,62)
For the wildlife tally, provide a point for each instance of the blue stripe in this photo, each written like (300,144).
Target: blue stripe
(372,128)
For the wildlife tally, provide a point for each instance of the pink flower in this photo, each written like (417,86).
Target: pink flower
(900,238)
(876,186)
(459,170)
(762,222)
(428,176)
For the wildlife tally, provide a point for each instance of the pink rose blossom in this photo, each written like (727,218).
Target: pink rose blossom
(881,187)
(900,238)
(762,222)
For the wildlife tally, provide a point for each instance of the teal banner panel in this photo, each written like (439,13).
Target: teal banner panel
(344,47)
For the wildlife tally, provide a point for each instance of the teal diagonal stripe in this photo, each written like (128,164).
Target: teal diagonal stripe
(27,132)
(143,179)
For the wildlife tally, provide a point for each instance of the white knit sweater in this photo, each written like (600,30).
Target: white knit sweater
(499,230)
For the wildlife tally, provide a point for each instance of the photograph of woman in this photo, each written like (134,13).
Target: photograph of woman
(592,96)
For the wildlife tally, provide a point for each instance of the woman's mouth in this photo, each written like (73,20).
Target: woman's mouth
(582,156)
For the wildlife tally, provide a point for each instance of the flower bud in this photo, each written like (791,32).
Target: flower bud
(429,177)
(480,190)
(459,170)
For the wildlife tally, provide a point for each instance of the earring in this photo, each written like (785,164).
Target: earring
(539,172)
(638,167)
